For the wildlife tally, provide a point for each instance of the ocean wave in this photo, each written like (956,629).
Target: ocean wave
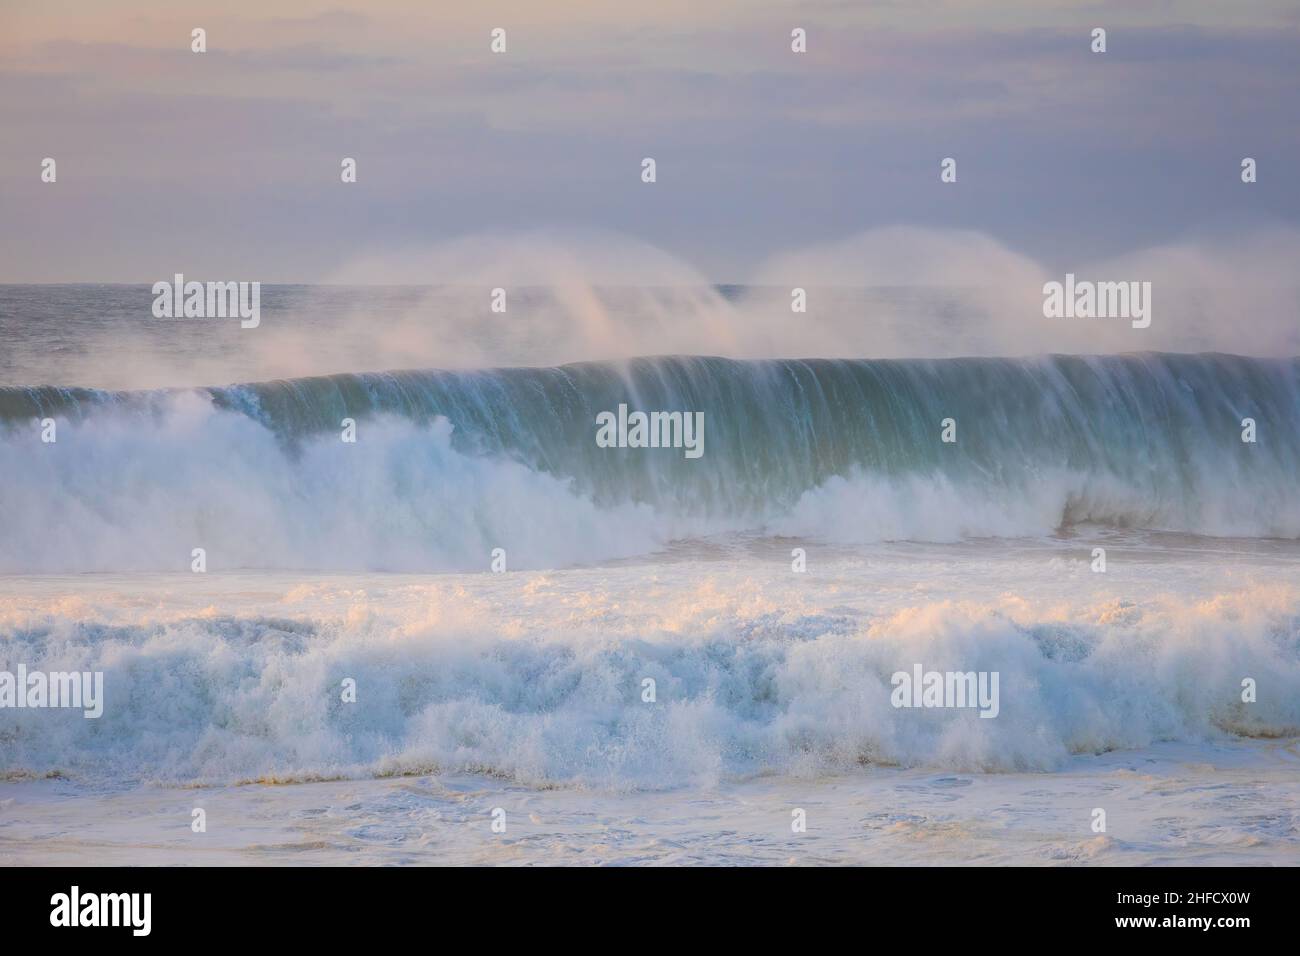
(742,686)
(450,465)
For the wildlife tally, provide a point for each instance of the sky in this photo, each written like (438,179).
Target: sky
(227,163)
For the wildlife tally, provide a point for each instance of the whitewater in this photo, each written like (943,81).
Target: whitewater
(828,538)
(450,465)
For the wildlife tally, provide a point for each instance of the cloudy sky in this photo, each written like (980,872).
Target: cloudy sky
(227,163)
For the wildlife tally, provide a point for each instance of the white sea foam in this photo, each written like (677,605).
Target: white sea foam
(116,495)
(539,677)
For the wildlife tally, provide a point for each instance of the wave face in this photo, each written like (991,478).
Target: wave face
(449,465)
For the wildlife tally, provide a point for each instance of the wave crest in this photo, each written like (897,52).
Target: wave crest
(449,465)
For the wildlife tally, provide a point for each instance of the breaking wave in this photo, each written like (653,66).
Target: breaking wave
(556,696)
(449,465)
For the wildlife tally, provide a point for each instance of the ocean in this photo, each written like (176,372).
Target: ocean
(364,587)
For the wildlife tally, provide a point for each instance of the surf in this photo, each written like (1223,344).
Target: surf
(448,465)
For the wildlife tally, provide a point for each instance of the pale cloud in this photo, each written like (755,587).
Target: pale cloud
(1061,151)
